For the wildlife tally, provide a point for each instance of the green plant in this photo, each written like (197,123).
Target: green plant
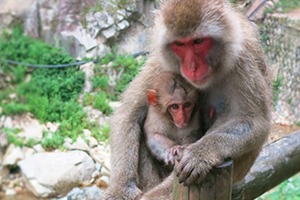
(268,10)
(287,190)
(13,108)
(101,103)
(288,5)
(276,84)
(100,82)
(51,94)
(12,136)
(102,134)
(31,142)
(130,67)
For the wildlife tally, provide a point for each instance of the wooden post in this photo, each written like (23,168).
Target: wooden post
(217,185)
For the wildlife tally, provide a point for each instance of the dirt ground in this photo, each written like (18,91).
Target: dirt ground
(278,131)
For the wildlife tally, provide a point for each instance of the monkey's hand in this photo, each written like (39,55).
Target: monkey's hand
(174,153)
(196,162)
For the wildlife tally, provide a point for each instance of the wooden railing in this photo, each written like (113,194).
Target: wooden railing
(277,162)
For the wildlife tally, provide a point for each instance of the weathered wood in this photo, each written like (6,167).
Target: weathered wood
(277,162)
(217,185)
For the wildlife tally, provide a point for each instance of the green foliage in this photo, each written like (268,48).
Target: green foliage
(31,142)
(130,67)
(268,10)
(13,108)
(288,5)
(276,84)
(100,82)
(12,137)
(101,103)
(287,190)
(102,134)
(264,37)
(51,94)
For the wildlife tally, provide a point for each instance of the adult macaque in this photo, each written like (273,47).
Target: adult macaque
(172,121)
(217,50)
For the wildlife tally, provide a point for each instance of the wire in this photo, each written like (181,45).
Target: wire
(67,65)
(97,61)
(257,9)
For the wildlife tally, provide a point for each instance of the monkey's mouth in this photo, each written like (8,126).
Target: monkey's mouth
(202,80)
(181,125)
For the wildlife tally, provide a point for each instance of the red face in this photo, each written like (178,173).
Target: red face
(193,52)
(181,113)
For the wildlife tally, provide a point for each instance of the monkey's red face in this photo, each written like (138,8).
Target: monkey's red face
(181,113)
(193,52)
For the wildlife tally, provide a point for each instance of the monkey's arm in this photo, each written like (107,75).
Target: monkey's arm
(192,137)
(237,138)
(159,145)
(125,135)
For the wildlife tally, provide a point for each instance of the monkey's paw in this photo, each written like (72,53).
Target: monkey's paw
(195,164)
(174,153)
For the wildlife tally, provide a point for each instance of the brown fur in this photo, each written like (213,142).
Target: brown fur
(162,135)
(239,89)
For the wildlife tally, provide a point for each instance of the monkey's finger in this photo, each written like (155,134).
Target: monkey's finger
(185,172)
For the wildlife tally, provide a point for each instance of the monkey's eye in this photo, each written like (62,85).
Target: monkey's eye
(177,43)
(187,105)
(198,41)
(174,106)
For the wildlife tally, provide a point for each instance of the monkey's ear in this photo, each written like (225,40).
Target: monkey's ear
(152,97)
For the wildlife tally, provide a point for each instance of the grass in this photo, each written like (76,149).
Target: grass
(52,94)
(289,5)
(287,190)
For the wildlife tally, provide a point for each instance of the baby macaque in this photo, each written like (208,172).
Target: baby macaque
(173,119)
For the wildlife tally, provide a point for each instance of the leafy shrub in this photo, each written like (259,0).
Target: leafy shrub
(13,108)
(288,189)
(12,136)
(51,94)
(101,103)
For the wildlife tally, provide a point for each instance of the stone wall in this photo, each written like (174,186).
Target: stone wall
(83,27)
(283,49)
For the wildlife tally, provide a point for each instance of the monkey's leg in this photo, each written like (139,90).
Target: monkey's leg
(163,191)
(149,172)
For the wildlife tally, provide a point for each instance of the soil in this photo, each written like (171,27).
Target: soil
(278,131)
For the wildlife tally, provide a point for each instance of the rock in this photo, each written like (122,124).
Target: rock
(12,155)
(67,169)
(80,144)
(3,140)
(38,148)
(88,69)
(92,114)
(10,193)
(93,142)
(32,130)
(115,104)
(88,193)
(109,33)
(87,133)
(54,127)
(123,25)
(49,125)
(104,181)
(1,157)
(13,96)
(27,152)
(96,174)
(8,123)
(4,172)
